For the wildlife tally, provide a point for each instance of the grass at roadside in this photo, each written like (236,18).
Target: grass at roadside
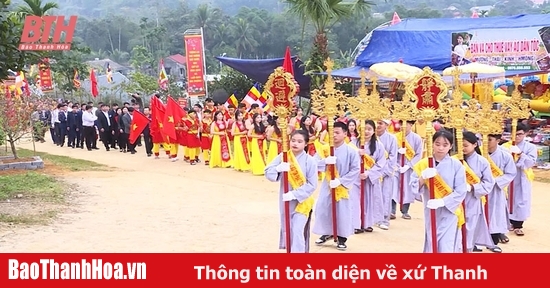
(63,162)
(29,197)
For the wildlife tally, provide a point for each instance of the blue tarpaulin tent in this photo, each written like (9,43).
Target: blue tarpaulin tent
(428,42)
(260,69)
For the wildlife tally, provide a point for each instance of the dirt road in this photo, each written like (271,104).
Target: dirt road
(148,205)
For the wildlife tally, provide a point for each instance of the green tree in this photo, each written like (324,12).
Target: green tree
(10,37)
(140,82)
(66,62)
(323,14)
(34,7)
(231,82)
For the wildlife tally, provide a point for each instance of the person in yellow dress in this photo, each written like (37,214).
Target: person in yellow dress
(258,145)
(220,153)
(241,154)
(273,135)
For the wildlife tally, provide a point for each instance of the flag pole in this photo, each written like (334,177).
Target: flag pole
(282,108)
(204,64)
(330,102)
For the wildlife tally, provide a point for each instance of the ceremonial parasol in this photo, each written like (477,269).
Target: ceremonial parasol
(474,69)
(395,70)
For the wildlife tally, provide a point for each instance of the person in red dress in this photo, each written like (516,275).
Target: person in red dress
(192,126)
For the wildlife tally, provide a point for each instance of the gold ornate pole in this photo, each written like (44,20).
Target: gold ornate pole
(403,110)
(515,108)
(281,89)
(365,107)
(428,89)
(484,120)
(331,103)
(456,118)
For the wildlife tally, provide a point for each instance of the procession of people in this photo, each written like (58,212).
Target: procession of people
(362,183)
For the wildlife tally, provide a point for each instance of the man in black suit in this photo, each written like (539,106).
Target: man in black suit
(106,125)
(74,125)
(126,127)
(63,128)
(147,134)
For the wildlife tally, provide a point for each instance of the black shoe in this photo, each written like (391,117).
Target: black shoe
(89,149)
(133,152)
(149,155)
(107,149)
(359,231)
(476,249)
(81,147)
(323,239)
(341,246)
(95,148)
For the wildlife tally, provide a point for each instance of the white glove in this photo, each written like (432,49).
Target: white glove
(288,196)
(469,189)
(330,160)
(435,203)
(334,183)
(404,169)
(515,149)
(283,167)
(402,150)
(429,173)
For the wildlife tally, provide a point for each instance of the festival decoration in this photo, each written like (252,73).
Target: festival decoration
(404,110)
(281,90)
(482,119)
(428,90)
(515,108)
(474,69)
(331,103)
(455,117)
(365,107)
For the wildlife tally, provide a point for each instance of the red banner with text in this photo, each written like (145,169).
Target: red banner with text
(253,270)
(45,76)
(195,65)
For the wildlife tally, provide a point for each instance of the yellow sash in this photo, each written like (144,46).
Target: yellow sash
(442,189)
(367,160)
(296,179)
(472,178)
(529,171)
(497,172)
(409,153)
(341,191)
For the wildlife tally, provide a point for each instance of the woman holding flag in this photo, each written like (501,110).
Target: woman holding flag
(302,179)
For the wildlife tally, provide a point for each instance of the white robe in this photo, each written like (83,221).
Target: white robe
(299,223)
(348,165)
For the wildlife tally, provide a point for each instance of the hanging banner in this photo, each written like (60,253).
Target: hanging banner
(195,65)
(514,49)
(45,76)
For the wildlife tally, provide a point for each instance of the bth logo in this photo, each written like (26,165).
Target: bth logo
(36,33)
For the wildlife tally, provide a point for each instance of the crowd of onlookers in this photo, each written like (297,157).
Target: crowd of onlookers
(83,125)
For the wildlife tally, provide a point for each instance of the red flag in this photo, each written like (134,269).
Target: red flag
(93,81)
(395,19)
(174,113)
(157,117)
(475,14)
(288,66)
(139,122)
